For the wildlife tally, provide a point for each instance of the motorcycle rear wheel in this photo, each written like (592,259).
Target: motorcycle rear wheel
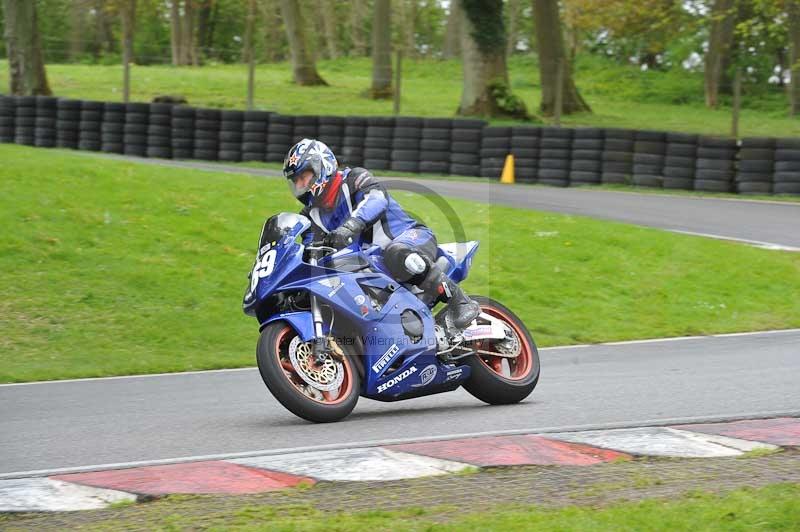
(286,385)
(500,380)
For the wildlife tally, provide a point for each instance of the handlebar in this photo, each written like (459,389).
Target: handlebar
(317,250)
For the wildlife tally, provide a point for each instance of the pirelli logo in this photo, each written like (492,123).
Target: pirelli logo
(378,366)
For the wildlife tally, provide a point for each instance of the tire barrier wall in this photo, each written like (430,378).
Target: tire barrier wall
(548,155)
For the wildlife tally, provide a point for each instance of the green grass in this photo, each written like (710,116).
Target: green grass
(774,507)
(621,96)
(114,268)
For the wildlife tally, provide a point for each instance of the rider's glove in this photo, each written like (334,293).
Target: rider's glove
(345,234)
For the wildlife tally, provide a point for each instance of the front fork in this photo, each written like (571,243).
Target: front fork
(320,342)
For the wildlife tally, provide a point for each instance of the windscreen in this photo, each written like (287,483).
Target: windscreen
(280,225)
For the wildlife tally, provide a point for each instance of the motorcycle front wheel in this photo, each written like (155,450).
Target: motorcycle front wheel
(499,380)
(287,365)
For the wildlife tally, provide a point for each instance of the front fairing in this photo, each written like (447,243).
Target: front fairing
(277,257)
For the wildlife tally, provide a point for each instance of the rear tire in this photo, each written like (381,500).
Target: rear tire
(486,383)
(272,352)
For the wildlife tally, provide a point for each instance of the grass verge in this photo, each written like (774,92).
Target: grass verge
(115,268)
(773,507)
(620,95)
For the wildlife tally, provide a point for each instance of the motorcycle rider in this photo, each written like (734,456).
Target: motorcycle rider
(350,205)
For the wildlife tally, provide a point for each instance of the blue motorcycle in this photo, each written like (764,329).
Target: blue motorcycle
(335,326)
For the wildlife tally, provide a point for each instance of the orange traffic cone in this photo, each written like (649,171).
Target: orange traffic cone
(508,170)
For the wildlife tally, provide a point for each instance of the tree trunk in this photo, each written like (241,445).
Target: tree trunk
(27,75)
(719,48)
(205,27)
(303,65)
(249,52)
(104,37)
(183,33)
(793,8)
(357,32)
(188,34)
(514,13)
(273,43)
(484,59)
(77,29)
(452,32)
(128,15)
(382,50)
(176,41)
(410,30)
(327,10)
(550,44)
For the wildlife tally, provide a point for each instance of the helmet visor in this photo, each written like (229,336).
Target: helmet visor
(300,183)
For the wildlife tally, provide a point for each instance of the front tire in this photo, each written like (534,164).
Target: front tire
(500,380)
(292,391)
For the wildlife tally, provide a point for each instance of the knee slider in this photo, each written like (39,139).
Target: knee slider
(404,263)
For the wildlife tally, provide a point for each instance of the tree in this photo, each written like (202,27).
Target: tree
(483,46)
(183,37)
(552,59)
(452,32)
(381,50)
(717,60)
(127,11)
(514,12)
(274,36)
(357,33)
(27,75)
(793,10)
(409,27)
(327,8)
(304,67)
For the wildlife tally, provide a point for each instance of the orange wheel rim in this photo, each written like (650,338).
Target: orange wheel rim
(332,397)
(513,369)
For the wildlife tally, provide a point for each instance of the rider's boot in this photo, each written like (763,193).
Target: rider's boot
(437,286)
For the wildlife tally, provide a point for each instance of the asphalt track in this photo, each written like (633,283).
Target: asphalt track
(73,424)
(766,223)
(87,423)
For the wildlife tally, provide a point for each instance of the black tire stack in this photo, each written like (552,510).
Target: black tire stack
(230,136)
(787,167)
(617,167)
(305,127)
(159,131)
(279,137)
(90,135)
(68,122)
(525,149)
(254,135)
(649,152)
(434,148)
(137,118)
(331,132)
(681,161)
(495,147)
(555,152)
(465,147)
(182,133)
(46,118)
(112,132)
(378,143)
(7,111)
(406,144)
(754,172)
(355,131)
(716,164)
(206,134)
(586,167)
(25,120)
